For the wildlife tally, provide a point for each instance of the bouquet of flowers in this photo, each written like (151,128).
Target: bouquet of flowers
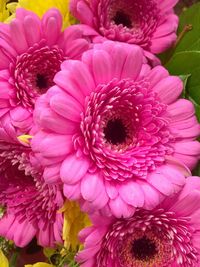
(99,151)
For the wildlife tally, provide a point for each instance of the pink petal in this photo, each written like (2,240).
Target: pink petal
(56,145)
(192,183)
(121,209)
(156,75)
(81,75)
(91,186)
(160,44)
(65,80)
(169,89)
(133,63)
(187,205)
(32,29)
(101,67)
(51,25)
(111,189)
(53,122)
(66,106)
(18,36)
(188,128)
(72,191)
(161,183)
(152,197)
(51,174)
(73,169)
(181,109)
(132,194)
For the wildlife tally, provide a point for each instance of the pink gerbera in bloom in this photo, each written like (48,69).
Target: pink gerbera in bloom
(115,131)
(31,51)
(167,236)
(31,205)
(150,24)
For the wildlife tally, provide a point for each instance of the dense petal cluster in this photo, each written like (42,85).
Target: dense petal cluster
(31,204)
(166,236)
(31,51)
(115,131)
(150,24)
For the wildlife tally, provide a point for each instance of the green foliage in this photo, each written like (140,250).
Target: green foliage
(184,58)
(61,257)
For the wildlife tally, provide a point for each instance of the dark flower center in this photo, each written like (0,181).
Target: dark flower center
(37,70)
(143,249)
(122,18)
(41,81)
(115,132)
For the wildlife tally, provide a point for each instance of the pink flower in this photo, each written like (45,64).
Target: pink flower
(150,24)
(31,51)
(31,204)
(167,236)
(115,131)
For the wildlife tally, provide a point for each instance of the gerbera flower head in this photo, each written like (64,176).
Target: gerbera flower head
(115,131)
(31,206)
(31,51)
(150,24)
(166,236)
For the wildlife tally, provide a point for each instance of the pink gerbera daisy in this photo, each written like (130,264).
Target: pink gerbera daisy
(31,205)
(115,131)
(151,24)
(31,51)
(167,236)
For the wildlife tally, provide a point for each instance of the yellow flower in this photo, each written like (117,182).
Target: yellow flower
(74,221)
(41,6)
(4,13)
(39,264)
(3,260)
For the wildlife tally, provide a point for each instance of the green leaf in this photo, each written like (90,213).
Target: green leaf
(184,79)
(187,63)
(185,59)
(189,40)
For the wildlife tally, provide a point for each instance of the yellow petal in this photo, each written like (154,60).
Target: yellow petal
(4,13)
(74,221)
(3,260)
(39,264)
(25,138)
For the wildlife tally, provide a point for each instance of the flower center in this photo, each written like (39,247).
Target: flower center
(115,132)
(143,249)
(34,72)
(122,18)
(133,21)
(41,82)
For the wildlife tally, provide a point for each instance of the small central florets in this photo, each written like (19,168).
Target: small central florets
(34,72)
(115,131)
(41,82)
(143,249)
(122,18)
